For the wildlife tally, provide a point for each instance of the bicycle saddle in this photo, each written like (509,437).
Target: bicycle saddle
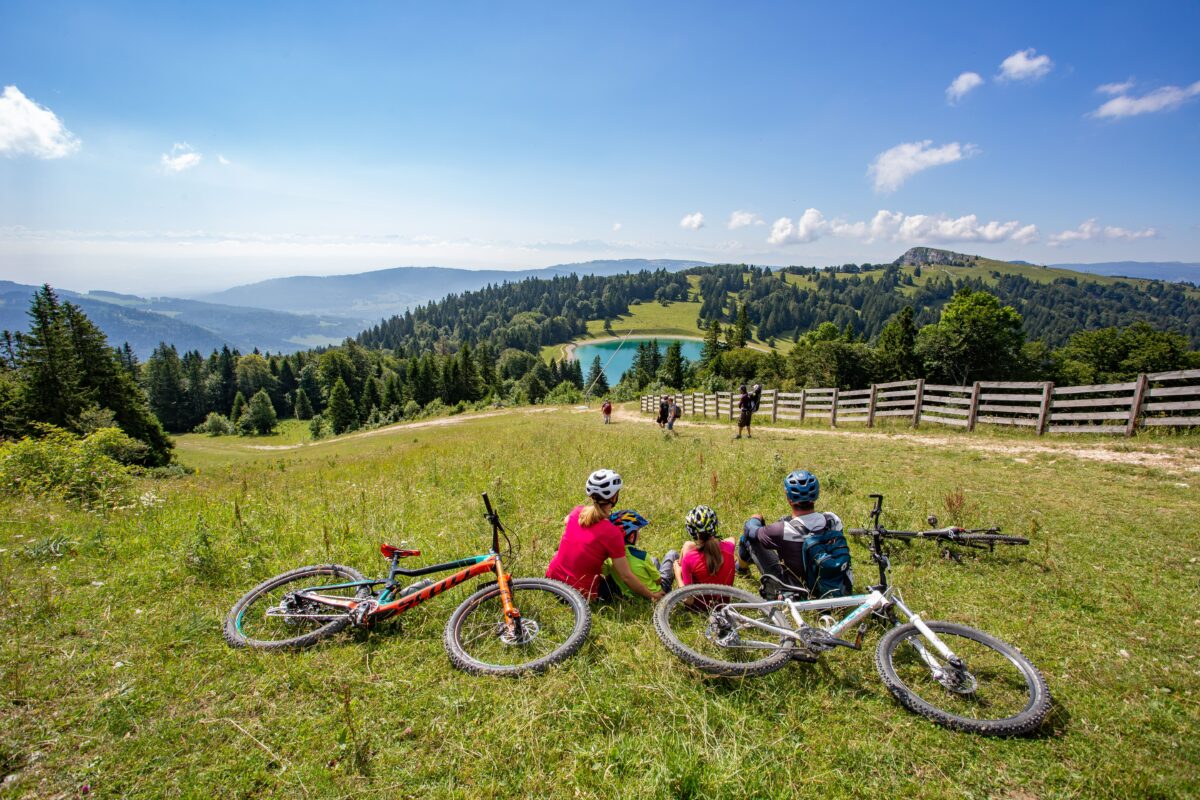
(390,550)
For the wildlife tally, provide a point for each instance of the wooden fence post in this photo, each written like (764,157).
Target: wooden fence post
(919,397)
(803,403)
(731,405)
(774,404)
(833,409)
(871,407)
(1044,411)
(1135,406)
(973,411)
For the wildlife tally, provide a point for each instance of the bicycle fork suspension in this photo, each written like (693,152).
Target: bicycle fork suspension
(931,637)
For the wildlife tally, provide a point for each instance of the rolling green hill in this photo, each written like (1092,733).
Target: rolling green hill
(114,675)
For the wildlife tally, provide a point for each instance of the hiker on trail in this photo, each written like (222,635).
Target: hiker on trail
(589,537)
(663,409)
(655,575)
(674,412)
(707,558)
(606,410)
(806,549)
(745,411)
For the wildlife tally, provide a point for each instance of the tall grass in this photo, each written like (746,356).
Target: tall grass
(113,673)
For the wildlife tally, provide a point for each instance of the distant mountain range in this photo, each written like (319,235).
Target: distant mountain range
(188,324)
(382,293)
(1175,271)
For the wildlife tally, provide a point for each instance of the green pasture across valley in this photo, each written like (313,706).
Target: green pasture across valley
(114,675)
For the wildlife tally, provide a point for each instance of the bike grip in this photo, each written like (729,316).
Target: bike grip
(487,503)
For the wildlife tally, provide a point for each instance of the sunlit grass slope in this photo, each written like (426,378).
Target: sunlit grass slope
(114,675)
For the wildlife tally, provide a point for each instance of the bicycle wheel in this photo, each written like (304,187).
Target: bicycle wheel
(270,616)
(555,620)
(996,692)
(690,622)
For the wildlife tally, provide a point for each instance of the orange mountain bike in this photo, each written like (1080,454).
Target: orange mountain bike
(508,627)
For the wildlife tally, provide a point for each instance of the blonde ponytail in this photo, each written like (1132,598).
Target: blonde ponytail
(591,515)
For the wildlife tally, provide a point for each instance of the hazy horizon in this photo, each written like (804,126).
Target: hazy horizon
(308,140)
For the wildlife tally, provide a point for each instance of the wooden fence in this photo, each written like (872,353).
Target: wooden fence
(1156,399)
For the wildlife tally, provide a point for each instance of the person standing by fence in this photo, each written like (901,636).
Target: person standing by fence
(745,411)
(674,412)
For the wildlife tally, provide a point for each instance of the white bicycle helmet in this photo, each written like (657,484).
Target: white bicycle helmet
(603,483)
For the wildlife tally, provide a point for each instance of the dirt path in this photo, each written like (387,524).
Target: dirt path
(407,426)
(1175,459)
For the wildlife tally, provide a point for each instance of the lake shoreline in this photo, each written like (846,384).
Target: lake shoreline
(569,348)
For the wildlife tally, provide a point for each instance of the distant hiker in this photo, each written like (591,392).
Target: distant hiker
(674,412)
(589,537)
(707,558)
(745,411)
(655,575)
(664,408)
(606,410)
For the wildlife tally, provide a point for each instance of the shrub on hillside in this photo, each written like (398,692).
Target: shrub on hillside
(60,464)
(259,416)
(216,425)
(318,427)
(563,394)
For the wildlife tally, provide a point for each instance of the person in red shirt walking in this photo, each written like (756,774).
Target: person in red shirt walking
(589,537)
(707,558)
(606,410)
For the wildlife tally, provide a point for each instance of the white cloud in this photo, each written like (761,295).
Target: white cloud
(1115,88)
(895,226)
(29,129)
(1024,65)
(693,222)
(182,157)
(962,85)
(616,227)
(743,219)
(1165,98)
(223,161)
(1092,230)
(893,167)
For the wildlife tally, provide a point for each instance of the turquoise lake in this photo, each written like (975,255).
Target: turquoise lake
(618,356)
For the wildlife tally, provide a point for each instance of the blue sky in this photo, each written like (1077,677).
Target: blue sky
(178,147)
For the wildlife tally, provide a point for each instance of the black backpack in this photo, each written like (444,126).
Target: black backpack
(825,557)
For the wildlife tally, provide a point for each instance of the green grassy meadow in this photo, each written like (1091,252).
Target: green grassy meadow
(114,675)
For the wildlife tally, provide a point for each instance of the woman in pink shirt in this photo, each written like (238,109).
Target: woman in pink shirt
(589,537)
(707,558)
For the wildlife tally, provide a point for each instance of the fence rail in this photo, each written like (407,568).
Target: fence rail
(1154,399)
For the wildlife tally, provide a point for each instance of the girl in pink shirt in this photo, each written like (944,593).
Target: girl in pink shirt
(707,558)
(589,537)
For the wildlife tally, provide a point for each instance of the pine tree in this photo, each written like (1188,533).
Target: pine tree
(712,344)
(49,383)
(226,388)
(239,405)
(370,400)
(740,331)
(597,382)
(259,416)
(166,389)
(672,369)
(304,409)
(311,384)
(342,414)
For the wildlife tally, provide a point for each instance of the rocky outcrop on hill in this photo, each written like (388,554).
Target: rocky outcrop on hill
(931,255)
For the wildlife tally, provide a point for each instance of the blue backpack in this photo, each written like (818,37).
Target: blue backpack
(826,560)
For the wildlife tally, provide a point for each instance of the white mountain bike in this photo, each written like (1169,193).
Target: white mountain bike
(956,676)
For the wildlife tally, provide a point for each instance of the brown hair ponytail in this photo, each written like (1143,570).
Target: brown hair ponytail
(592,514)
(713,557)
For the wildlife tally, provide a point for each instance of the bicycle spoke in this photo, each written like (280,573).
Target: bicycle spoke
(991,687)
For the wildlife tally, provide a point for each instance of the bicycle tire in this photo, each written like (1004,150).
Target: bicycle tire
(988,538)
(1028,719)
(676,602)
(485,604)
(234,619)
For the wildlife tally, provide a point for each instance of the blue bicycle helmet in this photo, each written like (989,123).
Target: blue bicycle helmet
(630,522)
(801,487)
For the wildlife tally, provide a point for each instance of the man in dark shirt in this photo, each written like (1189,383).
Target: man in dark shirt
(777,549)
